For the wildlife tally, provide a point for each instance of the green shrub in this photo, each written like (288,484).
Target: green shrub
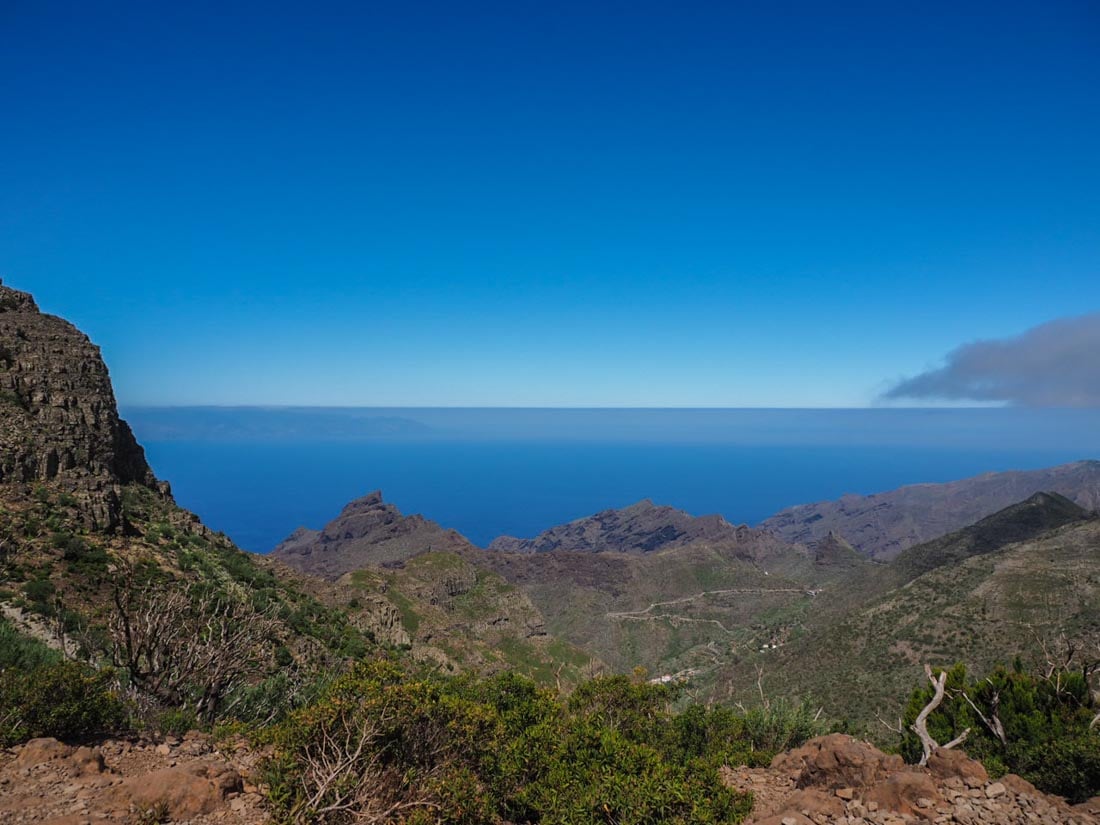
(21,652)
(1046,721)
(39,594)
(470,750)
(175,721)
(65,700)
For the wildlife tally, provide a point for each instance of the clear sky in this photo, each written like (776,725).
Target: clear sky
(736,204)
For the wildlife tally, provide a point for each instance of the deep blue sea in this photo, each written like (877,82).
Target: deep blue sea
(258,474)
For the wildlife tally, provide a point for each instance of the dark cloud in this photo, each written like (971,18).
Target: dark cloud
(1056,364)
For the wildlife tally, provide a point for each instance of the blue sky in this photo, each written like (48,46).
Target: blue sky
(691,204)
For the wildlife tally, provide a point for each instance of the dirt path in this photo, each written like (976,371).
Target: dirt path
(647,615)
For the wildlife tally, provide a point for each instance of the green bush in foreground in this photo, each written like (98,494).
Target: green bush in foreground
(1048,736)
(65,700)
(384,745)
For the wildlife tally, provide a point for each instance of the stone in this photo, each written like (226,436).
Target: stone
(995,790)
(88,761)
(39,751)
(187,791)
(1018,785)
(902,792)
(810,800)
(955,764)
(837,761)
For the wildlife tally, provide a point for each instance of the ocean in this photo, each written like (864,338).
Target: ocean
(257,474)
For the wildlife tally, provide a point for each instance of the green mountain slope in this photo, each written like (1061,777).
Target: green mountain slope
(983,595)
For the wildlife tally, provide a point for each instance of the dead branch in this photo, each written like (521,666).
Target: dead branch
(920,725)
(345,777)
(183,651)
(899,728)
(993,721)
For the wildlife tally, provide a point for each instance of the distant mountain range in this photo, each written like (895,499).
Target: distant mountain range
(699,598)
(247,424)
(883,525)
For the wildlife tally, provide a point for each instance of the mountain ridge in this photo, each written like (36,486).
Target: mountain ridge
(641,527)
(882,525)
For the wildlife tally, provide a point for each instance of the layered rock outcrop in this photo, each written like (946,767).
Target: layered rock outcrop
(59,422)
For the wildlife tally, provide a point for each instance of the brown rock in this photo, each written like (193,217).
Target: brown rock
(956,764)
(88,761)
(58,417)
(903,791)
(187,791)
(37,751)
(837,761)
(810,801)
(1019,785)
(1090,807)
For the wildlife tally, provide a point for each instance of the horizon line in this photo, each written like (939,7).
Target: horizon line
(582,407)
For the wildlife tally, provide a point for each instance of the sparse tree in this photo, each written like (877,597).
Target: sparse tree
(186,651)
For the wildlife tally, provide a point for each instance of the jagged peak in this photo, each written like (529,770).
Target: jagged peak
(369,501)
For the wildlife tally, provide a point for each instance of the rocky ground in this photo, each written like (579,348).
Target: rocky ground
(838,780)
(137,782)
(833,780)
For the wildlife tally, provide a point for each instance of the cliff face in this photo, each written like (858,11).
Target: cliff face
(58,417)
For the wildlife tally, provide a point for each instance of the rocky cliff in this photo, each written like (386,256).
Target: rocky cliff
(58,418)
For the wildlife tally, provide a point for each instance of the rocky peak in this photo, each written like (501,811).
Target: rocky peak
(642,527)
(368,532)
(1027,520)
(59,422)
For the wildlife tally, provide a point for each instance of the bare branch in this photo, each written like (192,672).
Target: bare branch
(184,651)
(920,726)
(993,721)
